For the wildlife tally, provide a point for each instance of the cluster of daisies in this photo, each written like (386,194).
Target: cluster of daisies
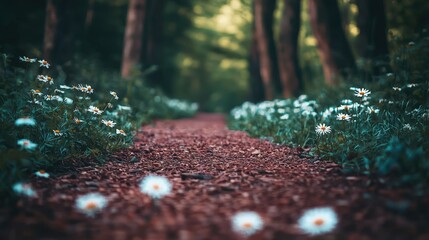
(84,88)
(344,111)
(313,221)
(278,108)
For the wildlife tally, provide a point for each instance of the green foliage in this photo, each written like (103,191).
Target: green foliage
(384,132)
(45,123)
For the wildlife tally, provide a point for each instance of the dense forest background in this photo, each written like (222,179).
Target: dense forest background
(195,50)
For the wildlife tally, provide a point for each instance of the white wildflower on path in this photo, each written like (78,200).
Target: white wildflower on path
(211,174)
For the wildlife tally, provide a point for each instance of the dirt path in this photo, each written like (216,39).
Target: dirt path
(236,173)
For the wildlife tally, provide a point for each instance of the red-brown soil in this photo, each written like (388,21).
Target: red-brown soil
(215,173)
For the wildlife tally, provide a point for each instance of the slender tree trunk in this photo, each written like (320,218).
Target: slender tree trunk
(51,22)
(263,18)
(256,83)
(133,36)
(336,55)
(372,38)
(89,15)
(154,41)
(290,73)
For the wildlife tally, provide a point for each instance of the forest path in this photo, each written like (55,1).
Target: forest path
(215,173)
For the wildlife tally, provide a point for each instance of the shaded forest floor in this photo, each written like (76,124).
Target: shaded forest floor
(215,173)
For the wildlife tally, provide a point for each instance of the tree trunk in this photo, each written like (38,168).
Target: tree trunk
(290,73)
(263,18)
(335,53)
(372,38)
(89,15)
(256,83)
(153,43)
(51,22)
(63,24)
(133,36)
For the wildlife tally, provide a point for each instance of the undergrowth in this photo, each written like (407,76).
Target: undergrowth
(379,127)
(47,118)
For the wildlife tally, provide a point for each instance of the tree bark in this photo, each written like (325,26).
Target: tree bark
(263,19)
(153,43)
(51,22)
(290,73)
(256,83)
(63,25)
(372,38)
(133,36)
(334,49)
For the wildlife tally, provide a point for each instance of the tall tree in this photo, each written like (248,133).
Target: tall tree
(51,22)
(334,49)
(290,73)
(263,19)
(372,38)
(256,83)
(63,26)
(153,42)
(133,36)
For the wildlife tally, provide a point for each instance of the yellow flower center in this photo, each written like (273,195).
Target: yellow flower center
(323,128)
(247,225)
(362,93)
(42,171)
(91,205)
(44,62)
(57,131)
(156,187)
(319,222)
(26,143)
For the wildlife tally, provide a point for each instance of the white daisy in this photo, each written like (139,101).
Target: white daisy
(318,221)
(346,101)
(91,203)
(345,107)
(120,131)
(155,186)
(247,223)
(397,89)
(89,89)
(125,108)
(24,189)
(26,144)
(36,92)
(27,59)
(25,121)
(68,100)
(343,117)
(77,121)
(372,110)
(44,63)
(94,110)
(42,173)
(108,123)
(362,92)
(57,132)
(322,129)
(48,97)
(114,95)
(58,90)
(65,87)
(407,126)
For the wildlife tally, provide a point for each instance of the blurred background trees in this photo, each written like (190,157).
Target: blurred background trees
(217,53)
